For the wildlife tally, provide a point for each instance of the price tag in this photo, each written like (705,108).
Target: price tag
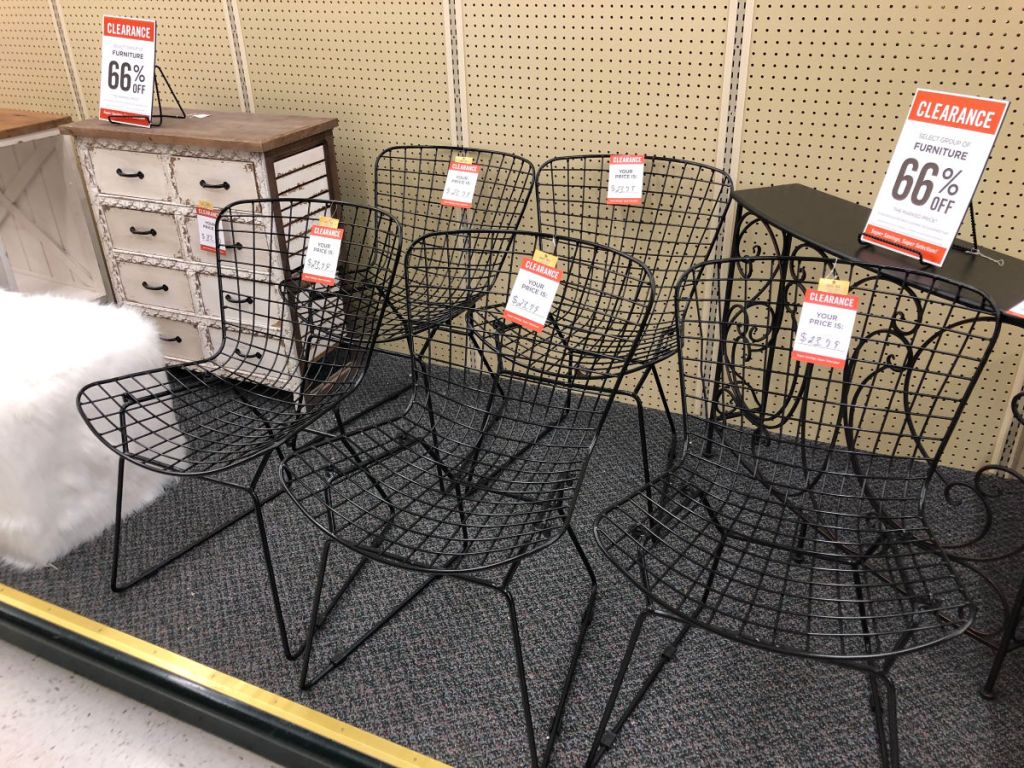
(460,184)
(625,180)
(206,221)
(934,171)
(533,292)
(322,250)
(1017,310)
(825,328)
(127,59)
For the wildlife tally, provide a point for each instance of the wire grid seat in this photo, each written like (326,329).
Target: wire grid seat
(483,467)
(674,227)
(288,353)
(408,182)
(793,519)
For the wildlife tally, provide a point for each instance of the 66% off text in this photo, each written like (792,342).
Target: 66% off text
(119,76)
(918,182)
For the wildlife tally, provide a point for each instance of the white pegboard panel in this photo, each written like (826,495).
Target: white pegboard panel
(193,47)
(33,74)
(550,78)
(380,68)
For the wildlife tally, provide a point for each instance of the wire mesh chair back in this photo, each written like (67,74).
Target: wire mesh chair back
(288,351)
(300,336)
(505,417)
(801,486)
(408,183)
(674,227)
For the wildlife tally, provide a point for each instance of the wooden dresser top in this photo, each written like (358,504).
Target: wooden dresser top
(219,130)
(18,122)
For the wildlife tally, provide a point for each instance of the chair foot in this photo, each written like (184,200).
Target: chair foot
(883,708)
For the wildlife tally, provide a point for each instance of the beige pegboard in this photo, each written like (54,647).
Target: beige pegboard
(33,74)
(829,84)
(550,78)
(193,47)
(827,88)
(380,68)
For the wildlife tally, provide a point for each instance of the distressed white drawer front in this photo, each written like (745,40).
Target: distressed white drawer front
(123,173)
(246,302)
(156,286)
(143,232)
(247,243)
(200,178)
(253,355)
(179,340)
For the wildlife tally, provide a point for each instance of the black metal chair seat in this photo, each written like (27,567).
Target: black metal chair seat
(732,559)
(386,492)
(191,419)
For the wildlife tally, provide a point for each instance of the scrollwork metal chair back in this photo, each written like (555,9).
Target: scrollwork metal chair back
(792,520)
(483,467)
(286,354)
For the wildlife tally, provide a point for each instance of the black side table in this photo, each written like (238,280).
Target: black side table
(790,218)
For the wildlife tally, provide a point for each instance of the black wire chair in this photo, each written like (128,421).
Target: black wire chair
(289,352)
(676,226)
(484,466)
(793,521)
(408,182)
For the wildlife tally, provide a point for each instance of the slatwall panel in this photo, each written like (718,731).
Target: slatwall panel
(550,78)
(379,67)
(33,74)
(827,90)
(193,47)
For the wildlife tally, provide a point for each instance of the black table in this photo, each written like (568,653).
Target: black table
(793,217)
(803,215)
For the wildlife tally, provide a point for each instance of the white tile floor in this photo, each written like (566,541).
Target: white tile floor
(52,717)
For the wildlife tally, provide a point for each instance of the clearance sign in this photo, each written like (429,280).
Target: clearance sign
(934,171)
(127,64)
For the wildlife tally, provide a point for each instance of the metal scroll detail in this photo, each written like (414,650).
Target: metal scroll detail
(974,518)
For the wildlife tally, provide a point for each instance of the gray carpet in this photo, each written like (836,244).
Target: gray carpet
(441,678)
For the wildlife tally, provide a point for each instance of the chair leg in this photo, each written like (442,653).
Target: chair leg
(1011,621)
(883,706)
(316,620)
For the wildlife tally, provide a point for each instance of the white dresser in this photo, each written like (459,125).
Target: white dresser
(144,184)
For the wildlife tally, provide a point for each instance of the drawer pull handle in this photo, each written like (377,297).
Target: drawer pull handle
(136,175)
(149,287)
(151,232)
(257,355)
(175,339)
(206,185)
(234,246)
(238,299)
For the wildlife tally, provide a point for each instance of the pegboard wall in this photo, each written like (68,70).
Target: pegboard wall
(381,68)
(33,70)
(556,78)
(775,92)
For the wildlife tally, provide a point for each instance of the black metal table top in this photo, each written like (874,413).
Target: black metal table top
(834,225)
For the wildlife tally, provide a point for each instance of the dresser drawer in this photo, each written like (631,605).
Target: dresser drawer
(156,286)
(123,173)
(246,302)
(217,181)
(179,340)
(143,232)
(253,355)
(247,243)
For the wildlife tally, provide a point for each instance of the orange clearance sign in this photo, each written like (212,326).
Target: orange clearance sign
(935,169)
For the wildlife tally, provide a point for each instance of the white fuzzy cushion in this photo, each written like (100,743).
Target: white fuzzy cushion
(57,481)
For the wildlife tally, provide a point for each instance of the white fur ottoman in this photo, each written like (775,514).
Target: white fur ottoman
(57,482)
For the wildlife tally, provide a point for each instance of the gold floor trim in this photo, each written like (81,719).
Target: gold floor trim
(258,698)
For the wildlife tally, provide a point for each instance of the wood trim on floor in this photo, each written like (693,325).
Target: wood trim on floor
(256,719)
